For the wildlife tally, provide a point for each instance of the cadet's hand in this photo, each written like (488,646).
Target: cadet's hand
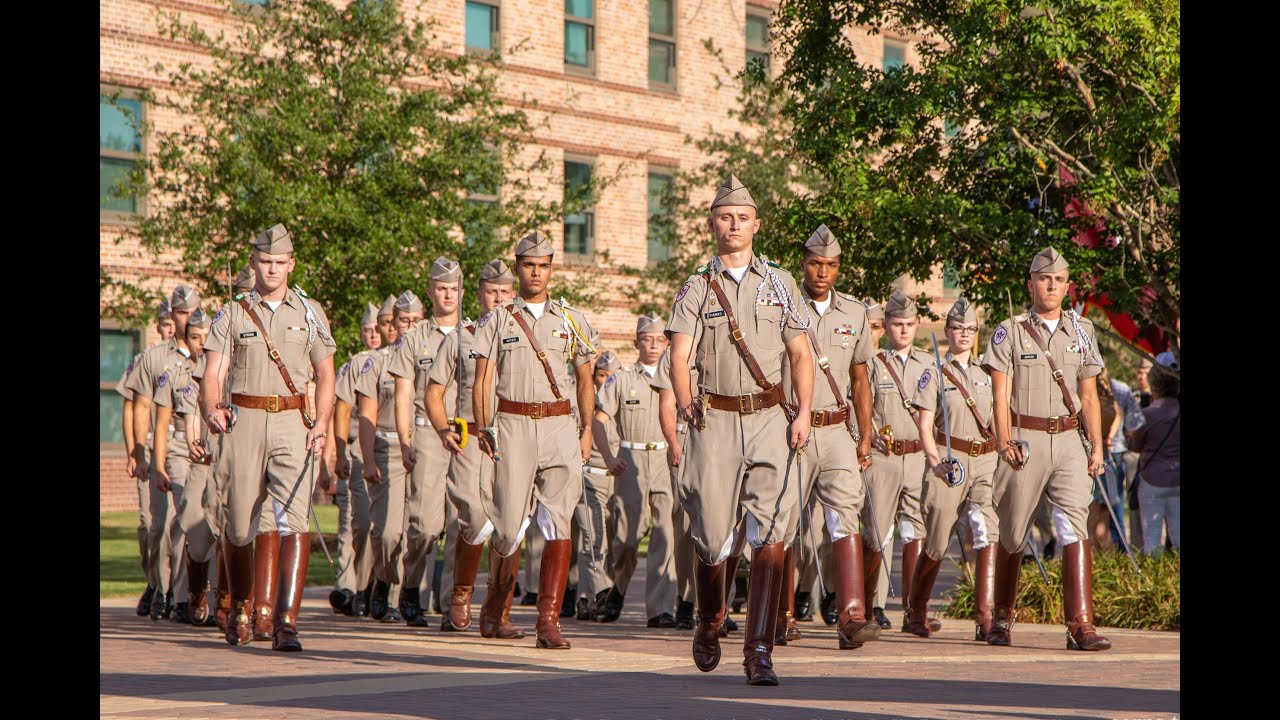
(315,439)
(1097,462)
(131,467)
(408,457)
(691,412)
(342,468)
(372,474)
(675,454)
(142,469)
(941,470)
(879,443)
(163,483)
(450,439)
(864,453)
(618,466)
(486,443)
(219,420)
(584,444)
(800,430)
(326,480)
(1012,454)
(195,449)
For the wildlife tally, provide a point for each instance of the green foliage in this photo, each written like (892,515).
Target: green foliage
(356,130)
(1121,598)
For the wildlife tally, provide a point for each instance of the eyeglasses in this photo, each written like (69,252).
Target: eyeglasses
(877,326)
(963,330)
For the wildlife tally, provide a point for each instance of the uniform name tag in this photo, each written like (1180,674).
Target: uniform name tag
(949,389)
(510,340)
(716,314)
(425,361)
(886,386)
(1029,356)
(249,334)
(633,402)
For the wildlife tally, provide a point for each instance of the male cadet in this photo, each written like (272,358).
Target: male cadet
(352,496)
(676,434)
(895,479)
(257,347)
(525,351)
(165,328)
(741,315)
(424,458)
(169,571)
(387,328)
(642,487)
(875,321)
(173,463)
(449,390)
(183,468)
(1053,361)
(840,341)
(387,477)
(966,389)
(591,516)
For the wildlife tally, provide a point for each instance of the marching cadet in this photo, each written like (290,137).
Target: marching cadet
(165,328)
(895,479)
(153,364)
(966,389)
(387,328)
(352,495)
(270,445)
(450,387)
(676,433)
(592,515)
(1043,364)
(739,448)
(525,349)
(642,485)
(840,341)
(423,457)
(875,321)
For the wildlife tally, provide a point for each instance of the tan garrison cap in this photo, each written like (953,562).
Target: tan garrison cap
(1048,261)
(733,192)
(408,302)
(199,319)
(900,306)
(370,315)
(822,243)
(274,240)
(163,312)
(650,323)
(608,361)
(1144,364)
(497,272)
(535,244)
(445,270)
(244,281)
(963,312)
(388,306)
(875,311)
(184,297)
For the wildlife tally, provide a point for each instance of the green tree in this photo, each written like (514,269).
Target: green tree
(1015,120)
(352,127)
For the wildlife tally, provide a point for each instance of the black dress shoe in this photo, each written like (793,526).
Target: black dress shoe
(569,609)
(878,614)
(530,598)
(613,606)
(419,620)
(804,606)
(180,614)
(159,606)
(360,603)
(597,605)
(144,602)
(684,615)
(378,603)
(410,608)
(730,624)
(828,609)
(392,616)
(340,601)
(583,609)
(665,620)
(739,593)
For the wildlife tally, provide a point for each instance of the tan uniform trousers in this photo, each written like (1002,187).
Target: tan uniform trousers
(683,551)
(970,501)
(539,473)
(178,465)
(534,543)
(895,484)
(643,493)
(149,559)
(831,478)
(355,558)
(195,516)
(388,515)
(265,457)
(738,469)
(426,508)
(464,514)
(592,516)
(1057,470)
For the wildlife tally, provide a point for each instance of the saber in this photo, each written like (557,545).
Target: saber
(591,529)
(1013,364)
(956,475)
(1111,511)
(1035,552)
(315,520)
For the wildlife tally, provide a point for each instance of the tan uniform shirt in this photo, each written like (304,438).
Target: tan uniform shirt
(629,397)
(886,402)
(977,382)
(345,388)
(412,357)
(1036,393)
(153,363)
(300,344)
(444,370)
(520,374)
(844,339)
(374,380)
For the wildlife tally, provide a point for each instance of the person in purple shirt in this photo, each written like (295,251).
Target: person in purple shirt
(1159,443)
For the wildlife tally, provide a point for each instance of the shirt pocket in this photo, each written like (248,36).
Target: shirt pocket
(715,322)
(250,348)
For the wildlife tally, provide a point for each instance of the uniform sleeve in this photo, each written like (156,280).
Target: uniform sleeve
(863,350)
(220,331)
(662,378)
(187,398)
(486,332)
(607,396)
(400,361)
(344,389)
(794,325)
(926,392)
(121,387)
(1090,363)
(684,311)
(366,381)
(582,355)
(446,362)
(325,346)
(999,349)
(163,394)
(142,382)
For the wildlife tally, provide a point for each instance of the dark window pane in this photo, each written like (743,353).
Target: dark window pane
(662,17)
(895,55)
(949,277)
(950,129)
(580,8)
(115,349)
(482,26)
(118,124)
(577,44)
(762,58)
(659,187)
(757,31)
(577,234)
(110,413)
(662,62)
(111,172)
(576,176)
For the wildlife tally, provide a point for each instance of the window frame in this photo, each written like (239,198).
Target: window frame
(589,69)
(759,13)
(589,212)
(110,386)
(670,174)
(126,93)
(896,42)
(495,34)
(674,85)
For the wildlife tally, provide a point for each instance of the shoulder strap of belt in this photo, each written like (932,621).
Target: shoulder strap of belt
(897,381)
(821,359)
(1057,374)
(968,400)
(274,354)
(533,342)
(736,336)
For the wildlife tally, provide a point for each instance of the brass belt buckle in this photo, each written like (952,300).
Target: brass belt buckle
(651,446)
(1053,426)
(273,403)
(899,447)
(975,448)
(817,419)
(750,407)
(535,411)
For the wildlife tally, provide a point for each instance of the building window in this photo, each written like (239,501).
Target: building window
(580,35)
(758,38)
(115,349)
(119,145)
(482,26)
(579,228)
(659,207)
(662,44)
(950,276)
(895,54)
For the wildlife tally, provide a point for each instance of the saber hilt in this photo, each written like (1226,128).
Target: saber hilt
(956,475)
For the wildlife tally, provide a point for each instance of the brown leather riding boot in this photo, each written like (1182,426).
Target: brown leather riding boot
(709,592)
(911,553)
(767,565)
(1077,598)
(984,589)
(466,562)
(918,602)
(785,627)
(551,586)
(198,592)
(295,555)
(497,601)
(872,563)
(223,608)
(853,626)
(1008,566)
(265,561)
(730,589)
(239,558)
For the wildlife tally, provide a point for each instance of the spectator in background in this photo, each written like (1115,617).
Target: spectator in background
(1142,391)
(1142,382)
(1160,446)
(1130,419)
(1099,522)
